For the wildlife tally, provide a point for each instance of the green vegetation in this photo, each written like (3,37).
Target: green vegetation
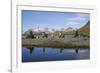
(56,42)
(30,35)
(85,30)
(76,33)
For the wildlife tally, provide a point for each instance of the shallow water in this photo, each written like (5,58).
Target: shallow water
(36,54)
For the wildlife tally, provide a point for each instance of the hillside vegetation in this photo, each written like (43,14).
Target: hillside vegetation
(85,30)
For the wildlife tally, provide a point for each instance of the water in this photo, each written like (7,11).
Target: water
(36,54)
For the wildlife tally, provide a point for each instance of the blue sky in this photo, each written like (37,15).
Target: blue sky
(40,19)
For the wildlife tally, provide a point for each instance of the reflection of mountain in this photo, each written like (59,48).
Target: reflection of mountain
(85,29)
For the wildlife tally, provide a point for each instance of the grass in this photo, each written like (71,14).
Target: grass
(59,43)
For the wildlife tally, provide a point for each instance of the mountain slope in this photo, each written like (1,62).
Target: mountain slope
(85,29)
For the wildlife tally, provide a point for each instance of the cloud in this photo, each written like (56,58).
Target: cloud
(83,15)
(77,19)
(72,23)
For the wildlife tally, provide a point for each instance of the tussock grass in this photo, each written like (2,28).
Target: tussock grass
(60,43)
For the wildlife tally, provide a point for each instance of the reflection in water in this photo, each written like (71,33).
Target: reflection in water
(53,54)
(31,49)
(61,50)
(77,50)
(43,49)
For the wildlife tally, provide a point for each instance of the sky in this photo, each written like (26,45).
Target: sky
(54,20)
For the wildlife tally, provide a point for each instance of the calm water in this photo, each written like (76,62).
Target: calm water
(35,54)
